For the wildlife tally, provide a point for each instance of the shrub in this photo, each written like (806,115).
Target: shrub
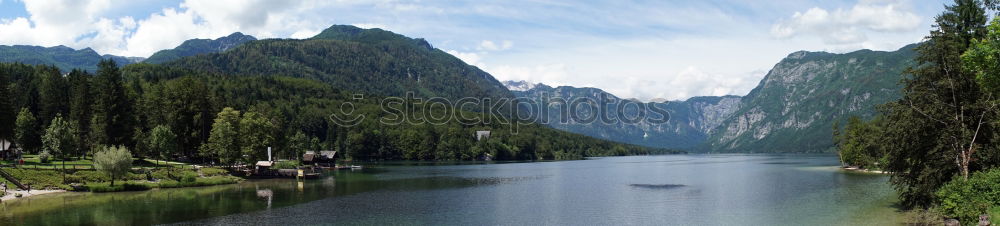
(127,186)
(197,182)
(44,157)
(967,199)
(87,176)
(211,171)
(291,164)
(189,178)
(38,179)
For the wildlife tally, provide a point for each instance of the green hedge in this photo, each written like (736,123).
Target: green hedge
(966,200)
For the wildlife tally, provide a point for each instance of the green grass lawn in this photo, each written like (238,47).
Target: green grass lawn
(33,162)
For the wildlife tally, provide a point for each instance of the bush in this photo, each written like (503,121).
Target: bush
(189,178)
(291,164)
(39,179)
(967,199)
(127,186)
(44,157)
(87,176)
(197,182)
(211,171)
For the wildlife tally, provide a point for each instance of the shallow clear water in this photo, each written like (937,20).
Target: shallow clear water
(640,190)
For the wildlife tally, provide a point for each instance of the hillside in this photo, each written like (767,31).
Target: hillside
(199,46)
(65,58)
(689,125)
(794,107)
(372,61)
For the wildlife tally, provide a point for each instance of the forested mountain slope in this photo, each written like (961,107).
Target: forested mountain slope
(371,61)
(65,58)
(794,107)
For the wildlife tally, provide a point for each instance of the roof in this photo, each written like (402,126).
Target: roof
(265,163)
(5,145)
(328,154)
(308,157)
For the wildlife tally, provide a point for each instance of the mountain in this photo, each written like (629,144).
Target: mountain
(688,126)
(65,58)
(200,46)
(793,108)
(372,61)
(518,85)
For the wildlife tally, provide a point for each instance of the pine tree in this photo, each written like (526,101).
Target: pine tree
(7,114)
(112,106)
(80,105)
(54,93)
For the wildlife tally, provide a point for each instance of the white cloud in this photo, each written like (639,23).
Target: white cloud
(850,26)
(371,25)
(550,74)
(216,18)
(488,45)
(80,24)
(469,58)
(54,22)
(305,33)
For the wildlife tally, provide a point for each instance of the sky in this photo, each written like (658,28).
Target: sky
(649,50)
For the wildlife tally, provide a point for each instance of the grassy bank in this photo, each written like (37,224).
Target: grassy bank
(136,180)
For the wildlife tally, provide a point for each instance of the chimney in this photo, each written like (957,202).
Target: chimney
(269,154)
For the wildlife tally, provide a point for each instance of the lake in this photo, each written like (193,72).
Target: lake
(636,190)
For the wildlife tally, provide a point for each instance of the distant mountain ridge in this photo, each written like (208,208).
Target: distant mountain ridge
(690,122)
(792,109)
(200,46)
(65,58)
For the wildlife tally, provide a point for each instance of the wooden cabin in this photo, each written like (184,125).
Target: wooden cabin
(323,158)
(8,150)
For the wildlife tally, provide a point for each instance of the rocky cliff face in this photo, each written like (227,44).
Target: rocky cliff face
(689,124)
(794,106)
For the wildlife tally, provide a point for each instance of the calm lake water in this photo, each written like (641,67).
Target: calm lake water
(640,190)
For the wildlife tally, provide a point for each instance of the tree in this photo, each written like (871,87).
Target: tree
(982,57)
(27,133)
(79,109)
(298,144)
(113,114)
(7,114)
(859,144)
(54,92)
(113,161)
(223,142)
(162,141)
(938,125)
(59,140)
(255,136)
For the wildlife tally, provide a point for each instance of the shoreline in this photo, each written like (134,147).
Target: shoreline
(860,170)
(25,194)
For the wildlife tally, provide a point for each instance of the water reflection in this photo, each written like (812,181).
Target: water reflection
(684,189)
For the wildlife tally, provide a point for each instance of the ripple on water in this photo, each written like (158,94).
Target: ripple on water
(657,186)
